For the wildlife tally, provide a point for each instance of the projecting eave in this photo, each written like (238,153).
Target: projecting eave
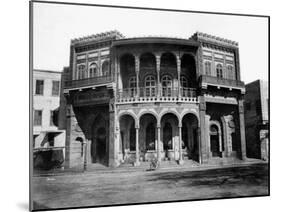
(155,40)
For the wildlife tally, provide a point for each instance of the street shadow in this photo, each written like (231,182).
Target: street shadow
(254,175)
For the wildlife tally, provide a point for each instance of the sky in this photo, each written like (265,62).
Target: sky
(54,25)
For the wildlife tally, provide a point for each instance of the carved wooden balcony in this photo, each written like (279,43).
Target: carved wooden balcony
(206,80)
(142,95)
(87,82)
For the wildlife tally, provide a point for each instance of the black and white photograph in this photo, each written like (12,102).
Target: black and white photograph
(136,105)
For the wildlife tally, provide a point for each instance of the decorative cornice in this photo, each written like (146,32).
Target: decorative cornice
(110,35)
(203,37)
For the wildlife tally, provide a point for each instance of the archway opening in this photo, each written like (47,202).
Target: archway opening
(148,137)
(127,137)
(215,141)
(190,141)
(99,142)
(147,75)
(169,136)
(127,70)
(188,70)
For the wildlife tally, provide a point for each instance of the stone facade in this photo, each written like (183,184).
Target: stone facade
(132,100)
(256,119)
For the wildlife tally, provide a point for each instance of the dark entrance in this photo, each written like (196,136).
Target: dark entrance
(167,137)
(214,138)
(101,144)
(99,141)
(190,137)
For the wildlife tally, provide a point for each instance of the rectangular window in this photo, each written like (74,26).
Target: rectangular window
(37,117)
(56,88)
(39,87)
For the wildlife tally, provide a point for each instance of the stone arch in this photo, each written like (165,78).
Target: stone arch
(154,113)
(187,112)
(129,113)
(162,113)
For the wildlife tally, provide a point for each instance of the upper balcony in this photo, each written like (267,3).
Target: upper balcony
(145,95)
(88,82)
(206,80)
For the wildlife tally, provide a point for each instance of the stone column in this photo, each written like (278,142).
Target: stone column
(158,144)
(158,62)
(242,129)
(202,142)
(179,75)
(180,145)
(113,141)
(137,67)
(85,144)
(137,148)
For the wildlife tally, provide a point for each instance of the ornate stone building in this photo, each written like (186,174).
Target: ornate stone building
(134,99)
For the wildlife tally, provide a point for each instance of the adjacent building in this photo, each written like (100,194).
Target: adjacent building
(131,100)
(48,138)
(256,119)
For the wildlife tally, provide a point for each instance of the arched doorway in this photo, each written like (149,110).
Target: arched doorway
(215,141)
(128,138)
(169,136)
(190,137)
(148,137)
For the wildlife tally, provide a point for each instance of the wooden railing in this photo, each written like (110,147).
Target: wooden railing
(88,82)
(206,79)
(144,94)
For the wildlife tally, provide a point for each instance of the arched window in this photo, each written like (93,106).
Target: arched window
(230,72)
(219,71)
(105,68)
(150,86)
(208,68)
(183,82)
(167,85)
(132,138)
(93,69)
(81,71)
(150,137)
(132,86)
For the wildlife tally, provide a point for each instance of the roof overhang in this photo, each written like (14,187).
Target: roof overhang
(155,40)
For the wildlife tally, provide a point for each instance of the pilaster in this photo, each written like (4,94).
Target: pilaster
(203,141)
(242,128)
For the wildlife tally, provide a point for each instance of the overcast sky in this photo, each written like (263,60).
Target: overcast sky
(55,25)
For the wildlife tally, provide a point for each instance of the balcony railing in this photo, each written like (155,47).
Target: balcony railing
(206,79)
(88,82)
(146,94)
